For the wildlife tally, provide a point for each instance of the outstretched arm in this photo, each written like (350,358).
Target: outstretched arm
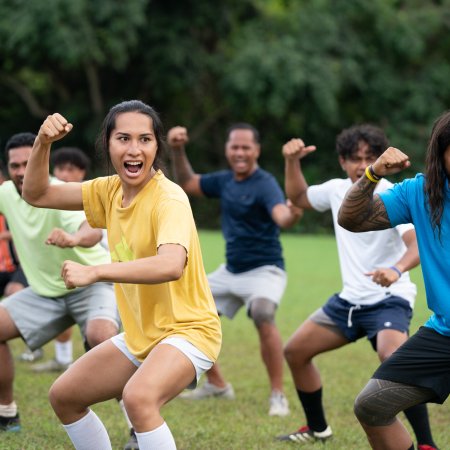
(363,211)
(37,189)
(85,236)
(177,138)
(295,184)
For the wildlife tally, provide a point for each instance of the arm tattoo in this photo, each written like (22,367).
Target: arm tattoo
(361,210)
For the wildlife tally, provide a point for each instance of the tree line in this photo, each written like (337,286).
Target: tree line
(292,68)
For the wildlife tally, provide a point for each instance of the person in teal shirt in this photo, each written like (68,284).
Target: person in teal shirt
(419,371)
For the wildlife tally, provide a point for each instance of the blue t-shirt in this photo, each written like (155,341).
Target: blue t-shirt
(251,235)
(406,202)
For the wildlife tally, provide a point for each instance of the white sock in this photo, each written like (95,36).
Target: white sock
(159,439)
(64,352)
(122,407)
(88,433)
(8,410)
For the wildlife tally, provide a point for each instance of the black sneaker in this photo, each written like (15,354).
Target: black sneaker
(305,434)
(132,443)
(10,423)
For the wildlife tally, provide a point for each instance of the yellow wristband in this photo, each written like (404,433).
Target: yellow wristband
(370,176)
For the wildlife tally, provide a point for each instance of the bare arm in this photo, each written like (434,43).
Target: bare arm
(166,266)
(177,138)
(86,237)
(363,211)
(36,187)
(410,259)
(295,184)
(285,215)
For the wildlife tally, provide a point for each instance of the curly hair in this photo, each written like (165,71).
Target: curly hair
(349,140)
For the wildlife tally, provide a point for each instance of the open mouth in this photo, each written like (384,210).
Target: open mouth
(133,167)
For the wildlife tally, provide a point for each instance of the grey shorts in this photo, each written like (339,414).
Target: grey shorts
(198,359)
(40,319)
(231,291)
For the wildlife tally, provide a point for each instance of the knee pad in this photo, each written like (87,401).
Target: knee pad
(262,311)
(380,401)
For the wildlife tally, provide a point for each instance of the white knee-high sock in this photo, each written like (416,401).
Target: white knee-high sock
(88,433)
(158,439)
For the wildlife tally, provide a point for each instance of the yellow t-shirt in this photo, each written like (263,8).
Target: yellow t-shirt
(159,214)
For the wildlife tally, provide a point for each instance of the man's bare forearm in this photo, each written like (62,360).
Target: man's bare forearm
(182,166)
(361,210)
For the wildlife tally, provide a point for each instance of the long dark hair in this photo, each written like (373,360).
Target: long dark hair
(435,173)
(109,124)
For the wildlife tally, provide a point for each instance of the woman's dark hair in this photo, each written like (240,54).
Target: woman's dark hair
(109,124)
(435,173)
(349,140)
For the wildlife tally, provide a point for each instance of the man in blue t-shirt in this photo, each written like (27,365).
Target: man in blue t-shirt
(419,371)
(253,209)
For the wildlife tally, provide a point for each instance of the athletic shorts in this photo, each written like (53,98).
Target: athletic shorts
(198,359)
(233,290)
(423,360)
(17,276)
(356,321)
(40,319)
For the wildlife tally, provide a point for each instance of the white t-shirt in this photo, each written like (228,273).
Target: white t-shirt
(360,253)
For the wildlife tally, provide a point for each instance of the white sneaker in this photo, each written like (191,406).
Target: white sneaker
(50,366)
(279,405)
(209,390)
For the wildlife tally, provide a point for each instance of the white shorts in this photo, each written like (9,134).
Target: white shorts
(231,291)
(198,359)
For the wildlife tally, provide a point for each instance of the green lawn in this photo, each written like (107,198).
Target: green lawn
(242,424)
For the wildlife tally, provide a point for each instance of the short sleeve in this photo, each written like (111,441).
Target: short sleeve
(174,223)
(319,196)
(271,194)
(395,200)
(212,183)
(94,191)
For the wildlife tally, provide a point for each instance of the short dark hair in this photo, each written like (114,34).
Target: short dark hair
(19,140)
(70,155)
(244,126)
(349,140)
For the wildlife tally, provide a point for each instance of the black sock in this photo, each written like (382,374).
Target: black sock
(312,405)
(418,418)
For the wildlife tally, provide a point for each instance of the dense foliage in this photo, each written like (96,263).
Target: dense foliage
(291,67)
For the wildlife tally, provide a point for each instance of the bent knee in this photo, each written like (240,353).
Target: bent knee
(372,407)
(100,330)
(262,311)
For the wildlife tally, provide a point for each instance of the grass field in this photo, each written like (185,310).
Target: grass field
(242,424)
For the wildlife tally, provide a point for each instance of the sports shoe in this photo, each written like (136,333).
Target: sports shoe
(32,355)
(305,434)
(49,366)
(209,390)
(132,443)
(10,423)
(279,405)
(426,447)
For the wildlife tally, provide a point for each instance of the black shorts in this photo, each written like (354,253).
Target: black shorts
(7,277)
(423,360)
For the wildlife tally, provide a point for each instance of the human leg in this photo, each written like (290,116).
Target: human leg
(112,369)
(388,341)
(309,340)
(376,408)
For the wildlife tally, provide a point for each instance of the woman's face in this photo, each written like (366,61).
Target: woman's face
(132,148)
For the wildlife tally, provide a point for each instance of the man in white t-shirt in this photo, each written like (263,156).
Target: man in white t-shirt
(377,296)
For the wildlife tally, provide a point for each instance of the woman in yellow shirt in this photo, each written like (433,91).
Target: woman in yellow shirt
(171,328)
